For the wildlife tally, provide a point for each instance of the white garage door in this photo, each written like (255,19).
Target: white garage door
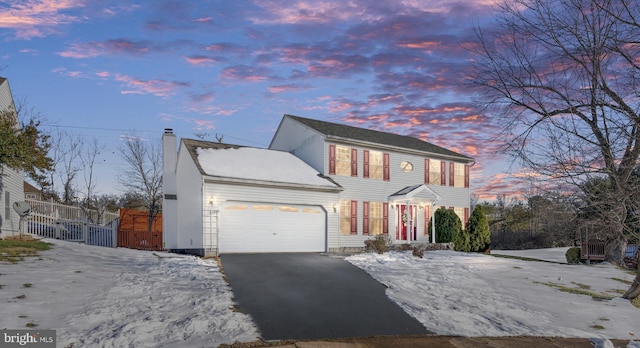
(250,227)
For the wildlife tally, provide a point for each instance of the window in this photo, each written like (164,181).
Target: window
(237,207)
(7,206)
(288,209)
(373,164)
(31,196)
(458,176)
(343,160)
(435,172)
(348,217)
(406,166)
(375,218)
(262,207)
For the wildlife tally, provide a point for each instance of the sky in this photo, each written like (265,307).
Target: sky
(117,297)
(107,70)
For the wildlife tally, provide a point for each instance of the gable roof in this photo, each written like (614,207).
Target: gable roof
(245,164)
(335,130)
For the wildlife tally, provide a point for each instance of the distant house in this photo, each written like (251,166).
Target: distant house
(31,192)
(12,181)
(320,186)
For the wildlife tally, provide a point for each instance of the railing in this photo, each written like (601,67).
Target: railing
(59,221)
(592,250)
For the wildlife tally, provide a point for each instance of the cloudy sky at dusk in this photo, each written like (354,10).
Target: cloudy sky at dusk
(104,69)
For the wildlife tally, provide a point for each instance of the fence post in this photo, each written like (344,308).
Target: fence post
(85,230)
(57,228)
(114,232)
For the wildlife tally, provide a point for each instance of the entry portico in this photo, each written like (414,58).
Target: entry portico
(406,203)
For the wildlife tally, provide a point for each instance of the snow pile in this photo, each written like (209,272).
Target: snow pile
(467,294)
(95,296)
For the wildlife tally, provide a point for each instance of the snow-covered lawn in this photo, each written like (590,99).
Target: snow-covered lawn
(469,294)
(105,297)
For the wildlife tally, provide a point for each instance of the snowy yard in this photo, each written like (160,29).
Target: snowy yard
(468,294)
(106,297)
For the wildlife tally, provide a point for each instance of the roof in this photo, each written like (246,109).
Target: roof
(378,137)
(416,193)
(250,164)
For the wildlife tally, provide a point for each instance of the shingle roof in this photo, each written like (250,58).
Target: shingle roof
(377,137)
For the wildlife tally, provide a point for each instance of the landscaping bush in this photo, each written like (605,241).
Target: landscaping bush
(461,241)
(417,252)
(478,229)
(379,244)
(573,255)
(447,225)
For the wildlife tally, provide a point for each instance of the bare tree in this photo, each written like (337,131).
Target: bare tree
(563,77)
(143,173)
(88,158)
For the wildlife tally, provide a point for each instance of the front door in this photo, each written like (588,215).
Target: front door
(406,222)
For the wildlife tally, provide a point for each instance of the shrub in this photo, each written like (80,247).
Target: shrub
(417,252)
(447,225)
(478,229)
(379,244)
(573,255)
(461,241)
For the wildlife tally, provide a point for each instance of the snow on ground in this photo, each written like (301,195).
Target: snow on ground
(549,254)
(105,297)
(469,294)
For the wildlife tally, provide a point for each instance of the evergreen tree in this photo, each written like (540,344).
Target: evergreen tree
(478,230)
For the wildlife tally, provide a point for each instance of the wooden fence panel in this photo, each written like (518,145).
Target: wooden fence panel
(134,230)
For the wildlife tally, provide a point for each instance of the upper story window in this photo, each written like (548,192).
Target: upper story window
(376,165)
(343,160)
(406,166)
(434,172)
(458,175)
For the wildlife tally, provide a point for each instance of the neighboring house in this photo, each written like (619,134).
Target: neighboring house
(32,192)
(12,180)
(320,186)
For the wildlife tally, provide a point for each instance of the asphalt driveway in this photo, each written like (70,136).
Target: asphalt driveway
(313,296)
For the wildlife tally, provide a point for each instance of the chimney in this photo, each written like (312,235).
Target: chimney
(170,191)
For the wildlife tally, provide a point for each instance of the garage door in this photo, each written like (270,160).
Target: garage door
(250,227)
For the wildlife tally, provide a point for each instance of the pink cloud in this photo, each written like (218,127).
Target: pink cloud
(160,88)
(37,18)
(245,73)
(287,88)
(95,48)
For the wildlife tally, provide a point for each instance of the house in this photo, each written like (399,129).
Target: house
(12,180)
(32,192)
(320,186)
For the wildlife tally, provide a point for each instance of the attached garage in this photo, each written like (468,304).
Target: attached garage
(257,227)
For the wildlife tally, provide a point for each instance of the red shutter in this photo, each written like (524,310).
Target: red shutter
(451,173)
(443,173)
(354,217)
(386,166)
(427,217)
(354,162)
(332,159)
(466,176)
(385,218)
(365,218)
(426,170)
(466,217)
(365,160)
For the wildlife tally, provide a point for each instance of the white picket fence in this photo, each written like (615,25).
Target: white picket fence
(54,220)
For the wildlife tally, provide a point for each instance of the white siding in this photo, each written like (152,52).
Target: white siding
(377,190)
(302,141)
(12,180)
(220,193)
(13,191)
(190,216)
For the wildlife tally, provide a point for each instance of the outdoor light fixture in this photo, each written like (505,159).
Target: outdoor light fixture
(211,200)
(335,207)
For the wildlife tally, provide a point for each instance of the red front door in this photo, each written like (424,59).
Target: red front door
(406,222)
